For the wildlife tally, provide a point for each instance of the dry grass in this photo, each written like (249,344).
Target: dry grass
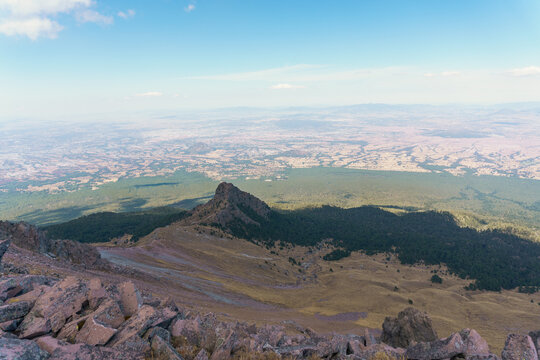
(356,284)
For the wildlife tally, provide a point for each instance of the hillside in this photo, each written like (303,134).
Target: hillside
(493,260)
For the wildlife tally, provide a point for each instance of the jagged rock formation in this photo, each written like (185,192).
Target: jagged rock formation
(409,327)
(230,204)
(29,237)
(70,318)
(4,245)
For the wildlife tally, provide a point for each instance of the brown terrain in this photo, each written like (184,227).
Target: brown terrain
(181,291)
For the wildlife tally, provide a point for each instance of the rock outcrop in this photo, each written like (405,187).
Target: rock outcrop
(411,325)
(519,347)
(228,205)
(4,245)
(29,237)
(72,318)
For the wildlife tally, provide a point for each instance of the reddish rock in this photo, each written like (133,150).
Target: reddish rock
(16,349)
(10,325)
(519,347)
(138,324)
(535,336)
(49,344)
(162,349)
(474,344)
(96,293)
(88,352)
(440,349)
(94,333)
(17,285)
(130,298)
(189,329)
(109,313)
(52,309)
(411,325)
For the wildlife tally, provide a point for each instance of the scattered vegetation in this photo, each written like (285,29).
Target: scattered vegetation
(436,279)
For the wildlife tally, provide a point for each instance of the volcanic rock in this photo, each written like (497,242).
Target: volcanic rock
(162,349)
(519,347)
(439,349)
(230,204)
(15,310)
(4,245)
(16,349)
(411,325)
(53,308)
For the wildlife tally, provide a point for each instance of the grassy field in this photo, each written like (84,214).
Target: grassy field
(481,202)
(276,290)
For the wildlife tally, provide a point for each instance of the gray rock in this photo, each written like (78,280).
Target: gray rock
(411,325)
(88,352)
(16,310)
(440,349)
(16,349)
(4,245)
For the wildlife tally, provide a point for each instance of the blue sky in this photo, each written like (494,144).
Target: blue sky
(62,57)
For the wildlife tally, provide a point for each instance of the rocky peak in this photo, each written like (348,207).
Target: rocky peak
(26,236)
(228,205)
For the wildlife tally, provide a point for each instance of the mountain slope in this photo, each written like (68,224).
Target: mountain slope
(493,259)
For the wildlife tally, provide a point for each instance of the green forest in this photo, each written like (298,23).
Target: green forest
(104,226)
(492,259)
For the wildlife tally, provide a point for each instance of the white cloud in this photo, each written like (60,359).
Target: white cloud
(189,8)
(42,7)
(286,86)
(525,71)
(150,94)
(126,14)
(33,28)
(33,18)
(94,17)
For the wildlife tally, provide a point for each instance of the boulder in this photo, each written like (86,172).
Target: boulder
(17,285)
(109,313)
(49,344)
(519,347)
(411,325)
(4,245)
(439,349)
(14,310)
(94,333)
(162,349)
(189,329)
(130,298)
(51,310)
(88,352)
(474,344)
(157,331)
(96,293)
(535,337)
(16,349)
(10,325)
(143,320)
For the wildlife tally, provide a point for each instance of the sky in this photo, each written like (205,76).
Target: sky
(74,57)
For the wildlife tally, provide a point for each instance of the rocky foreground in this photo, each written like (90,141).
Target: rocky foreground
(49,318)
